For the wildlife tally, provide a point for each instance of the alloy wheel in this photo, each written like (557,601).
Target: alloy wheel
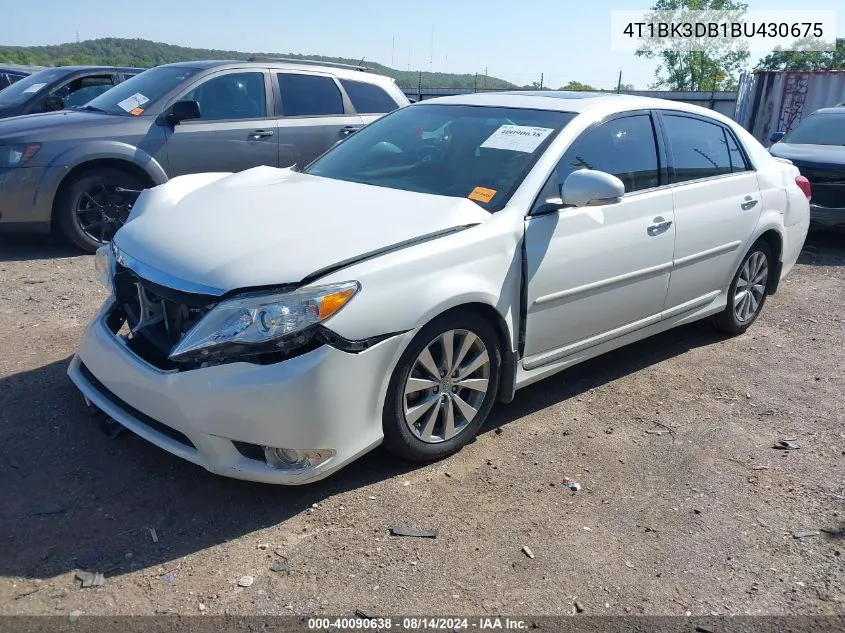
(751,286)
(102,210)
(446,386)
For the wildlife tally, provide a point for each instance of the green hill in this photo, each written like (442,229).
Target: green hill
(144,53)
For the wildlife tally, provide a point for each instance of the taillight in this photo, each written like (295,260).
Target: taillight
(804,185)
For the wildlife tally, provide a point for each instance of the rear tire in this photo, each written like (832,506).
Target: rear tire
(748,290)
(89,210)
(442,388)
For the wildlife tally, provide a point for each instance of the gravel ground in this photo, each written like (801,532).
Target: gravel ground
(685,505)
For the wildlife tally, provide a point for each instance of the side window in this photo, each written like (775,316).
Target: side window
(624,147)
(80,83)
(231,96)
(738,162)
(699,148)
(368,98)
(309,95)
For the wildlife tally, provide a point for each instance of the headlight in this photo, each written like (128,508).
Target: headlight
(104,266)
(17,155)
(258,319)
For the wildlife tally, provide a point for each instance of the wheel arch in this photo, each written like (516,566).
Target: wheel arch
(487,312)
(774,240)
(99,163)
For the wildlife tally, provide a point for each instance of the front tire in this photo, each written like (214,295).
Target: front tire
(748,290)
(442,388)
(91,208)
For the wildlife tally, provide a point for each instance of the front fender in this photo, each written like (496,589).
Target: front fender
(65,162)
(406,289)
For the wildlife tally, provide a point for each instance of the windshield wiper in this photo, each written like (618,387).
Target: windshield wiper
(89,108)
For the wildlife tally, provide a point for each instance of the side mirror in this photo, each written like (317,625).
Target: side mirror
(588,187)
(184,111)
(777,137)
(53,103)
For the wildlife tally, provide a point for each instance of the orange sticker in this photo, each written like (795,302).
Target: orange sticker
(136,111)
(482,194)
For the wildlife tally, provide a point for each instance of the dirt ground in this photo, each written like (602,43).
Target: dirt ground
(685,507)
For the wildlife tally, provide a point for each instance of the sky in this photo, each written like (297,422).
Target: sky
(563,40)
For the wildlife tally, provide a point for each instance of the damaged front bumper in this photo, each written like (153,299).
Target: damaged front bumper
(222,417)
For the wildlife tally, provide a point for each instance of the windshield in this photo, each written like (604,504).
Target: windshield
(135,95)
(480,153)
(25,89)
(826,128)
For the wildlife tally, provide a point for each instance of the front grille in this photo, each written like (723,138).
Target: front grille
(158,317)
(139,416)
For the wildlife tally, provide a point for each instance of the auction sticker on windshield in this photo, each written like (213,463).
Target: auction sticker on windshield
(482,194)
(133,102)
(517,138)
(34,88)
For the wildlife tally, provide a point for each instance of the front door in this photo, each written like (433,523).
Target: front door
(717,206)
(314,116)
(596,272)
(236,130)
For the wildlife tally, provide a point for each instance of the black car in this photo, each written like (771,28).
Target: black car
(59,88)
(10,73)
(817,148)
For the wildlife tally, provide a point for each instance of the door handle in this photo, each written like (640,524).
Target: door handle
(257,134)
(346,131)
(660,225)
(748,203)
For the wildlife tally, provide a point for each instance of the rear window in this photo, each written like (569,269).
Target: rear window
(826,128)
(309,95)
(368,98)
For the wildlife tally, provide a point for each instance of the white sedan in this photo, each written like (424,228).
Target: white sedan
(276,324)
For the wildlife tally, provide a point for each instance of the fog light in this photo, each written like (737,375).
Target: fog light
(296,460)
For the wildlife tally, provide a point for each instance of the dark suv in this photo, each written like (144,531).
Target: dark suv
(61,87)
(82,169)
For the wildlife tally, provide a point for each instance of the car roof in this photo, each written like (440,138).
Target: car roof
(73,69)
(338,71)
(568,101)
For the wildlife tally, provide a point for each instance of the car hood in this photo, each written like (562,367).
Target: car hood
(268,226)
(34,125)
(823,156)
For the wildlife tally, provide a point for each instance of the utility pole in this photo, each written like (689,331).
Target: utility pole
(541,81)
(431,51)
(419,86)
(77,36)
(619,83)
(475,83)
(485,77)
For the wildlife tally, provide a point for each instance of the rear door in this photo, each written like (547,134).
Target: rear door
(717,205)
(236,130)
(314,115)
(368,99)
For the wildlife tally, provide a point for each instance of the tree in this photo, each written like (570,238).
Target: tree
(680,67)
(578,86)
(626,87)
(795,59)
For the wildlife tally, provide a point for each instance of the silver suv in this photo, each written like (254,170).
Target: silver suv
(81,170)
